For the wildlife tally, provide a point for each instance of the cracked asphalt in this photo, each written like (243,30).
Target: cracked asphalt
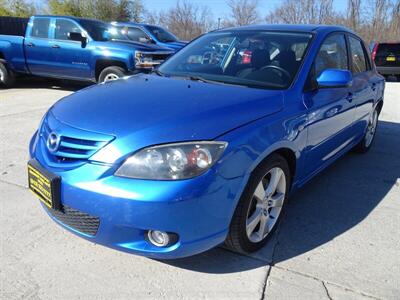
(340,238)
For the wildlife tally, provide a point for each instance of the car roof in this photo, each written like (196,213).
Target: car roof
(291,27)
(132,24)
(69,17)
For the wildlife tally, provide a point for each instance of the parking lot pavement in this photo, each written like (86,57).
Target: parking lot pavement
(340,238)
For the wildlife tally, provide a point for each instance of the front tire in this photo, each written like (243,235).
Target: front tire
(369,136)
(261,206)
(111,73)
(7,77)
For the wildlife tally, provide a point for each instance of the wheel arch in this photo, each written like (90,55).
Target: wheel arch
(287,152)
(379,106)
(101,64)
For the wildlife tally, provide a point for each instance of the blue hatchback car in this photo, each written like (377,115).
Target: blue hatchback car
(207,149)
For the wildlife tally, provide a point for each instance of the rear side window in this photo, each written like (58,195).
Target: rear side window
(135,34)
(332,54)
(359,62)
(40,28)
(63,27)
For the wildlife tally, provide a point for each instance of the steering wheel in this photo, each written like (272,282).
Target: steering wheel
(283,71)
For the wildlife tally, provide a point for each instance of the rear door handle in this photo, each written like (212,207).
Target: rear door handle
(30,44)
(55,46)
(349,97)
(373,87)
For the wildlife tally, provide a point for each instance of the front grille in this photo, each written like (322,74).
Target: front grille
(77,220)
(73,148)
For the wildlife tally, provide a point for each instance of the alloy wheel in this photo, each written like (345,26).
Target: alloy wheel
(111,77)
(371,128)
(266,205)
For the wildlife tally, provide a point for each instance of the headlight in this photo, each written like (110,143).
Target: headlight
(173,161)
(143,59)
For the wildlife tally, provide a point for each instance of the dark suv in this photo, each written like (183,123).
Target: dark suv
(387,58)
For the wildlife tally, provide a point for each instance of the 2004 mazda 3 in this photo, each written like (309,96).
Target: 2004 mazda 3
(207,148)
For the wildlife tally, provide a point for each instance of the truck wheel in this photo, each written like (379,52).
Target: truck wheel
(111,73)
(7,77)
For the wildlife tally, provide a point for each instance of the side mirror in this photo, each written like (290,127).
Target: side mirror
(333,78)
(77,36)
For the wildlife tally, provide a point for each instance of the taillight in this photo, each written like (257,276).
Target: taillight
(374,51)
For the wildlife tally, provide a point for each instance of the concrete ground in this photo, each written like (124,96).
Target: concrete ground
(340,238)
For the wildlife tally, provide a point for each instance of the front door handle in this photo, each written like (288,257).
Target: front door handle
(55,46)
(350,97)
(30,44)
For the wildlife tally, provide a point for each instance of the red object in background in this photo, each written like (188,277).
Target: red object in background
(246,58)
(374,51)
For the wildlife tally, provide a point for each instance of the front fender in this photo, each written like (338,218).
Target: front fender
(122,56)
(249,145)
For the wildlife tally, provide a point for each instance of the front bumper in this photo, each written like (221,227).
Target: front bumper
(199,210)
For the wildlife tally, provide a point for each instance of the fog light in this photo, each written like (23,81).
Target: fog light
(158,238)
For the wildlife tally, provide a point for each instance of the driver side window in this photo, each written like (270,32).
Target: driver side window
(63,27)
(332,55)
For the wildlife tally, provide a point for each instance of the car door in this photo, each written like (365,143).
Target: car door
(38,46)
(70,58)
(364,85)
(330,110)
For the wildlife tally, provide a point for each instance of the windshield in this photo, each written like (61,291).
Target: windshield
(161,34)
(251,58)
(100,31)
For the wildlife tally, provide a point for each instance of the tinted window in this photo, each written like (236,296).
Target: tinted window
(40,27)
(97,30)
(251,58)
(161,34)
(332,54)
(357,56)
(63,27)
(135,34)
(388,49)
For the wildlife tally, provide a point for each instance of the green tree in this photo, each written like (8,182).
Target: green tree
(106,10)
(22,8)
(4,10)
(67,8)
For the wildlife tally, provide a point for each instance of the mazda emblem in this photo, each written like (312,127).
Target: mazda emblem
(53,141)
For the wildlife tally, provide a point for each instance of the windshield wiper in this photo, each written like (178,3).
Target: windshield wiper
(199,78)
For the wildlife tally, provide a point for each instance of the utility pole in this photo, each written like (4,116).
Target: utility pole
(219,22)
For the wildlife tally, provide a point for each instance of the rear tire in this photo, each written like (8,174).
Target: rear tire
(255,219)
(7,77)
(369,135)
(111,73)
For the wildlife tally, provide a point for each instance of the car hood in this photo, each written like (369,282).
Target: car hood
(145,110)
(175,45)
